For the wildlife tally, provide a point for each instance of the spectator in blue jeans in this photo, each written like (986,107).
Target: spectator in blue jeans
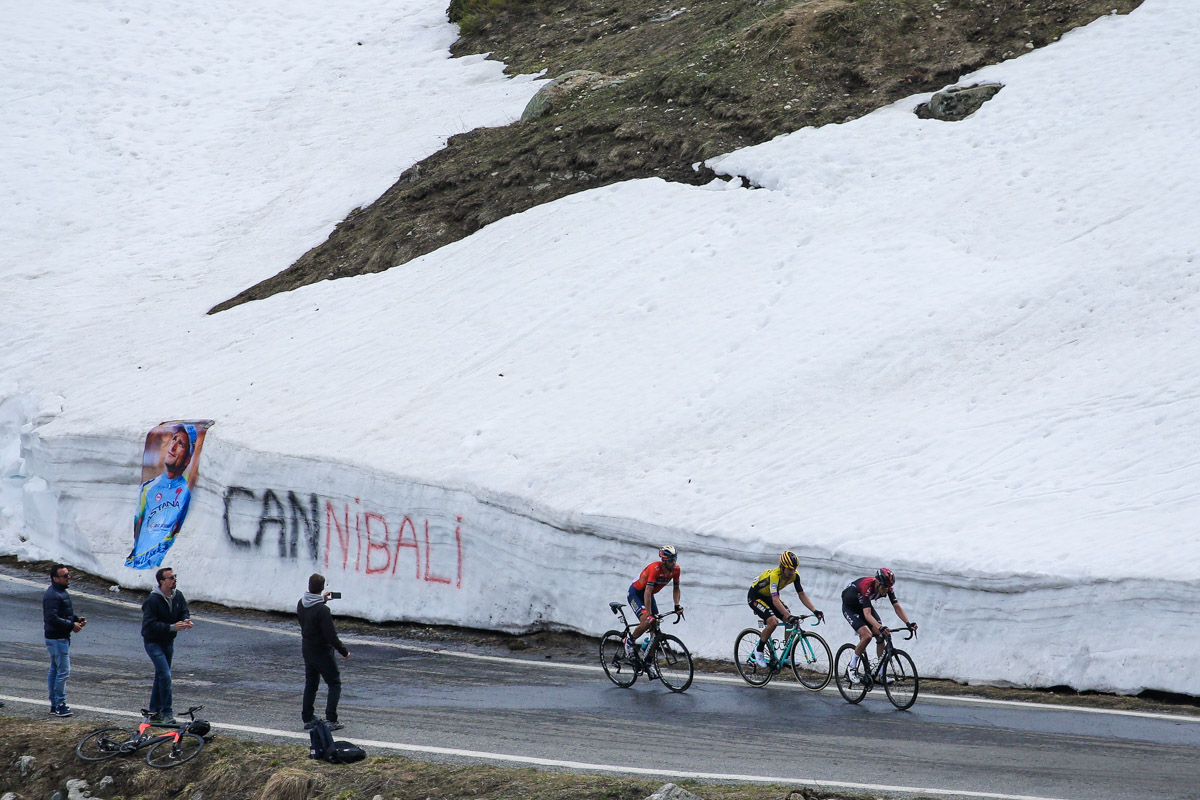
(164,614)
(60,622)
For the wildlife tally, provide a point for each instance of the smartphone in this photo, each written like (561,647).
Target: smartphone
(335,595)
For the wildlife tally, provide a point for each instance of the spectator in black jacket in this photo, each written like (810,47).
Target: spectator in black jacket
(164,614)
(318,641)
(59,622)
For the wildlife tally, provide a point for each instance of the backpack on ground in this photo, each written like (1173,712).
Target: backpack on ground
(320,741)
(345,753)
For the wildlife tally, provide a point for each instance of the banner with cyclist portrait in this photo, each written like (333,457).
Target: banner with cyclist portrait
(170,465)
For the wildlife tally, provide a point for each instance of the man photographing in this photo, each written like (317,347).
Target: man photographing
(318,641)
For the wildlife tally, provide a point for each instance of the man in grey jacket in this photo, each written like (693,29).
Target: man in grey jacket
(318,641)
(164,614)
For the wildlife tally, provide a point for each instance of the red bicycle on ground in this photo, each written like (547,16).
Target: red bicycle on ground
(178,744)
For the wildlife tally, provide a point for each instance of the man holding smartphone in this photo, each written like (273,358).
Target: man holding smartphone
(60,622)
(318,641)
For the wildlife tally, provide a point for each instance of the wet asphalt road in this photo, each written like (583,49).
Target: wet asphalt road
(247,672)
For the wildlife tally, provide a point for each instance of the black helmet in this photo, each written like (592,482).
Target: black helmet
(200,727)
(788,559)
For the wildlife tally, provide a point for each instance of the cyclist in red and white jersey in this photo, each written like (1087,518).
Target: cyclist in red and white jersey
(641,592)
(858,610)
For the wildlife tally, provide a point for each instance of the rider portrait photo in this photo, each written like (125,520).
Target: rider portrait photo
(169,468)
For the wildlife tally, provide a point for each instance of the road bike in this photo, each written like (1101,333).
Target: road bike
(663,656)
(804,651)
(178,744)
(894,669)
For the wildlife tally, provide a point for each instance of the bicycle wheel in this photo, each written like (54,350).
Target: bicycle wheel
(102,744)
(851,683)
(812,662)
(169,753)
(617,666)
(674,663)
(743,656)
(900,680)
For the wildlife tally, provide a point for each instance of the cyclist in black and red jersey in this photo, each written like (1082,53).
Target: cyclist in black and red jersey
(641,593)
(858,611)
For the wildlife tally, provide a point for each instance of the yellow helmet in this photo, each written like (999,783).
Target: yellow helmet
(788,559)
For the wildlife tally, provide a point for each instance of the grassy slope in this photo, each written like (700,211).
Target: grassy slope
(232,769)
(696,79)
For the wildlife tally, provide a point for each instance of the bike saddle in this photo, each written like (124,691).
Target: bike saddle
(616,607)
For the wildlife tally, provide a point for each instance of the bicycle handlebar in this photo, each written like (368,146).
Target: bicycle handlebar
(801,617)
(911,633)
(678,616)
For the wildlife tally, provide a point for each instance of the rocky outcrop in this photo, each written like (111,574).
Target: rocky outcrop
(562,87)
(669,791)
(957,102)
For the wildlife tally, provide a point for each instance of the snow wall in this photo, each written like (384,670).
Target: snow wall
(405,550)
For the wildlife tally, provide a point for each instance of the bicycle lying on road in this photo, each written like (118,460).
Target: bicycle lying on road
(180,743)
(894,669)
(804,651)
(664,656)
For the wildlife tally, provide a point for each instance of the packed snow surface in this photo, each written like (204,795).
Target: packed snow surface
(965,350)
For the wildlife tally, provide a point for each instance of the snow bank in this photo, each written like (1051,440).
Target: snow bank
(405,550)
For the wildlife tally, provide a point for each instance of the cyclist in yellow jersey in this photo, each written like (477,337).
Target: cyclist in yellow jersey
(767,605)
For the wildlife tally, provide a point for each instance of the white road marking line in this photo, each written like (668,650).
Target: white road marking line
(985,701)
(584,765)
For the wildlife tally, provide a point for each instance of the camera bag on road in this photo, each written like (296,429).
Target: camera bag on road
(345,753)
(320,741)
(323,747)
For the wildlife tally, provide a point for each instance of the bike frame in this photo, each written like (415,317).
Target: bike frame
(792,633)
(144,739)
(654,629)
(888,650)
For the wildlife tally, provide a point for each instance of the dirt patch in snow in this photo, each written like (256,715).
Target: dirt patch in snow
(683,82)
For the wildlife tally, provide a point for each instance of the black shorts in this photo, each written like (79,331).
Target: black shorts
(852,610)
(855,618)
(761,608)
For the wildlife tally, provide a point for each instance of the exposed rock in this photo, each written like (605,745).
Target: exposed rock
(559,88)
(804,794)
(78,790)
(26,764)
(957,102)
(669,791)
